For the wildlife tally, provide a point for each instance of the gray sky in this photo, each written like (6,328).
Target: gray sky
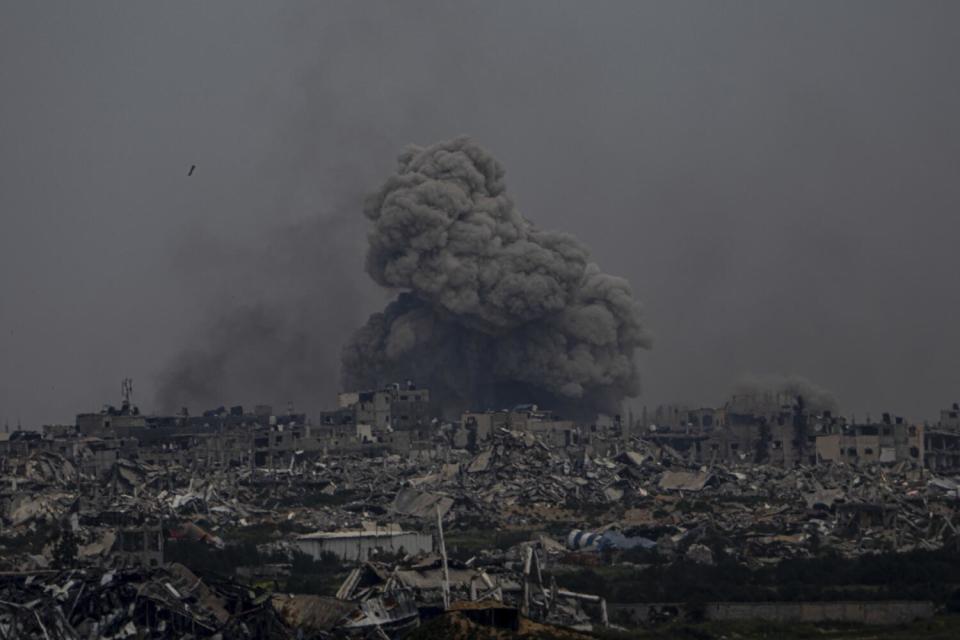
(778,181)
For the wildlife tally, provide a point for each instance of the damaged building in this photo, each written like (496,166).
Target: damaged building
(545,496)
(793,435)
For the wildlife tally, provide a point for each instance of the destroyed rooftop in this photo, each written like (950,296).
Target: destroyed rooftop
(119,498)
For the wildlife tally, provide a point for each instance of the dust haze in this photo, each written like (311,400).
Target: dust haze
(777,182)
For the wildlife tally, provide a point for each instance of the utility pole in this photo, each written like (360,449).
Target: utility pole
(443,556)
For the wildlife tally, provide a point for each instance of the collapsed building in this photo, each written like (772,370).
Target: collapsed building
(476,430)
(390,524)
(792,435)
(782,430)
(399,418)
(744,482)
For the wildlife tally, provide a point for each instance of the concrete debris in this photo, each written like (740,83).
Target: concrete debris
(311,613)
(88,519)
(517,481)
(132,603)
(410,502)
(700,554)
(684,480)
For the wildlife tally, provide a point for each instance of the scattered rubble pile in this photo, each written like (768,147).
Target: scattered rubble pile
(77,561)
(761,513)
(649,491)
(393,596)
(521,481)
(132,603)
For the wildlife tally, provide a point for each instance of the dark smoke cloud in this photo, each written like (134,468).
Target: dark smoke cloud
(285,307)
(493,310)
(770,392)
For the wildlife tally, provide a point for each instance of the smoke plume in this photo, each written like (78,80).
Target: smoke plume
(281,312)
(770,392)
(491,310)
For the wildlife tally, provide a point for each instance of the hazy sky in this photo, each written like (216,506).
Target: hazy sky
(779,181)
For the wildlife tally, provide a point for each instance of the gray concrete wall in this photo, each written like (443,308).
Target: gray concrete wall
(883,612)
(360,549)
(880,613)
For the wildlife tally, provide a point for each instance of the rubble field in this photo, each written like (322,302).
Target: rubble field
(545,530)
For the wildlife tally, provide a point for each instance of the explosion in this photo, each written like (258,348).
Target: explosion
(491,311)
